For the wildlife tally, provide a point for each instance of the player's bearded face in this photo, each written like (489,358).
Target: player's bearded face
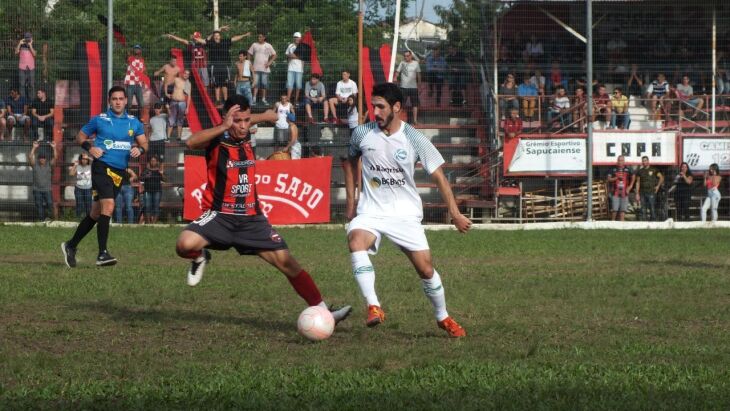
(241,124)
(383,112)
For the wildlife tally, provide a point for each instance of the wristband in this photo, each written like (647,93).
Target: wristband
(86,145)
(141,149)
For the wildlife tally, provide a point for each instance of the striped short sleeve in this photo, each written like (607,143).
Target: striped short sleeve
(358,135)
(428,155)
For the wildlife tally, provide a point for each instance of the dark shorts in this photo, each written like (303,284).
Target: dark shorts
(219,75)
(106,181)
(411,93)
(247,234)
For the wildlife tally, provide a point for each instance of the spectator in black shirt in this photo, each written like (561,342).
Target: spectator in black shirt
(456,75)
(219,60)
(152,178)
(42,116)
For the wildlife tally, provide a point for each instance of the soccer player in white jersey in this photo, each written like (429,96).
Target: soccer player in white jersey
(389,203)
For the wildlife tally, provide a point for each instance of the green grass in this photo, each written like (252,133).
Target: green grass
(556,319)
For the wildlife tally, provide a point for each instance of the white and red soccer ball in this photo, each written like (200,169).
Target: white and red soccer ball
(316,323)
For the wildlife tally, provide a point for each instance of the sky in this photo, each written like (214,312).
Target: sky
(428,13)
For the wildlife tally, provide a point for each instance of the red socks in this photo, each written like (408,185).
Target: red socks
(192,254)
(306,288)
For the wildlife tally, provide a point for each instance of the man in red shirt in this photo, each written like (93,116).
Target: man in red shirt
(513,125)
(621,180)
(232,215)
(602,106)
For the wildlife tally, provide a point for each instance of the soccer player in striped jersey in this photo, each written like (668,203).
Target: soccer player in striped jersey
(389,203)
(232,214)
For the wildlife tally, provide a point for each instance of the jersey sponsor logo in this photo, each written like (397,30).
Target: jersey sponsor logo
(205,217)
(240,163)
(376,182)
(243,188)
(275,237)
(382,169)
(117,145)
(400,155)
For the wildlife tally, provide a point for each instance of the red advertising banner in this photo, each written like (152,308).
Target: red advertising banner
(289,191)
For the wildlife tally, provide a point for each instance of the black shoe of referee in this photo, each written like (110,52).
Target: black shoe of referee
(69,254)
(105,259)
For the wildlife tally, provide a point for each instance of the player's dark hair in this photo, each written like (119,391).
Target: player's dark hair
(315,75)
(390,92)
(236,100)
(116,89)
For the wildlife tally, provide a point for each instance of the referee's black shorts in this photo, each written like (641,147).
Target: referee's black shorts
(105,180)
(247,234)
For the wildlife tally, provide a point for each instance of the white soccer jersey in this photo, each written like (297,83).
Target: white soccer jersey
(388,165)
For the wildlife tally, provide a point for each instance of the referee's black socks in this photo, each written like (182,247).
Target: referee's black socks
(84,227)
(102,231)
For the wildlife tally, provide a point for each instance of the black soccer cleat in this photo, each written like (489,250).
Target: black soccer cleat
(69,254)
(197,267)
(105,259)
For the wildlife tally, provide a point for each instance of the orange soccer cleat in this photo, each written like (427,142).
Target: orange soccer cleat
(451,327)
(376,315)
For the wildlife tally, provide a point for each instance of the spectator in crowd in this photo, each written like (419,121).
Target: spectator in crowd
(3,122)
(559,109)
(315,96)
(712,201)
(179,104)
(152,178)
(42,179)
(264,56)
(648,182)
(457,72)
(81,170)
(533,50)
(435,71)
(409,73)
(244,75)
(682,188)
(538,80)
(157,130)
(18,112)
(635,83)
(26,66)
(171,71)
(513,125)
(136,71)
(125,197)
(556,76)
(295,69)
(286,129)
(508,95)
(657,92)
(602,106)
(197,50)
(353,117)
(528,95)
(345,88)
(620,180)
(686,96)
(219,58)
(580,108)
(42,115)
(620,110)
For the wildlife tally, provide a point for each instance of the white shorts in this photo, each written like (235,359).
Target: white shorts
(406,234)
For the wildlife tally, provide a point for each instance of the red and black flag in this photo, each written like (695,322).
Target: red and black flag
(307,51)
(118,34)
(92,78)
(375,68)
(202,113)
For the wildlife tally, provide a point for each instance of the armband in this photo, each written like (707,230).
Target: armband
(86,145)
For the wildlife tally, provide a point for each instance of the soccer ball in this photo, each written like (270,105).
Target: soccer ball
(316,323)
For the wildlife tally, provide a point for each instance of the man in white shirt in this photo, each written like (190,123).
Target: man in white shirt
(389,203)
(345,88)
(263,55)
(295,71)
(409,73)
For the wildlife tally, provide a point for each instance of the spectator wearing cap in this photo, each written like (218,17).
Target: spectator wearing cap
(264,56)
(133,79)
(243,76)
(219,59)
(42,178)
(200,57)
(295,70)
(26,66)
(42,116)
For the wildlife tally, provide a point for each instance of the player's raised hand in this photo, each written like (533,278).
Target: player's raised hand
(461,223)
(230,114)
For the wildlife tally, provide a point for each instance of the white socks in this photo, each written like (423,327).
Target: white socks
(434,291)
(364,273)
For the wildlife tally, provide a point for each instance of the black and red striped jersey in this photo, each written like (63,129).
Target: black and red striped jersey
(231,168)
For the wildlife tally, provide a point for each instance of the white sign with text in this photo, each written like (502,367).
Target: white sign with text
(660,147)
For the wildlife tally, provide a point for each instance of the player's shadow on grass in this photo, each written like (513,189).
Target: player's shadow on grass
(128,314)
(687,264)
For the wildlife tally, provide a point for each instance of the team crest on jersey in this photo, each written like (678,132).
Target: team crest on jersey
(375,182)
(400,155)
(130,132)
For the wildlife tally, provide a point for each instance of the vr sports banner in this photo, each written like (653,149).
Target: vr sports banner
(660,147)
(527,156)
(289,191)
(700,152)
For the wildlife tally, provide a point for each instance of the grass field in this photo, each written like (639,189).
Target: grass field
(556,319)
